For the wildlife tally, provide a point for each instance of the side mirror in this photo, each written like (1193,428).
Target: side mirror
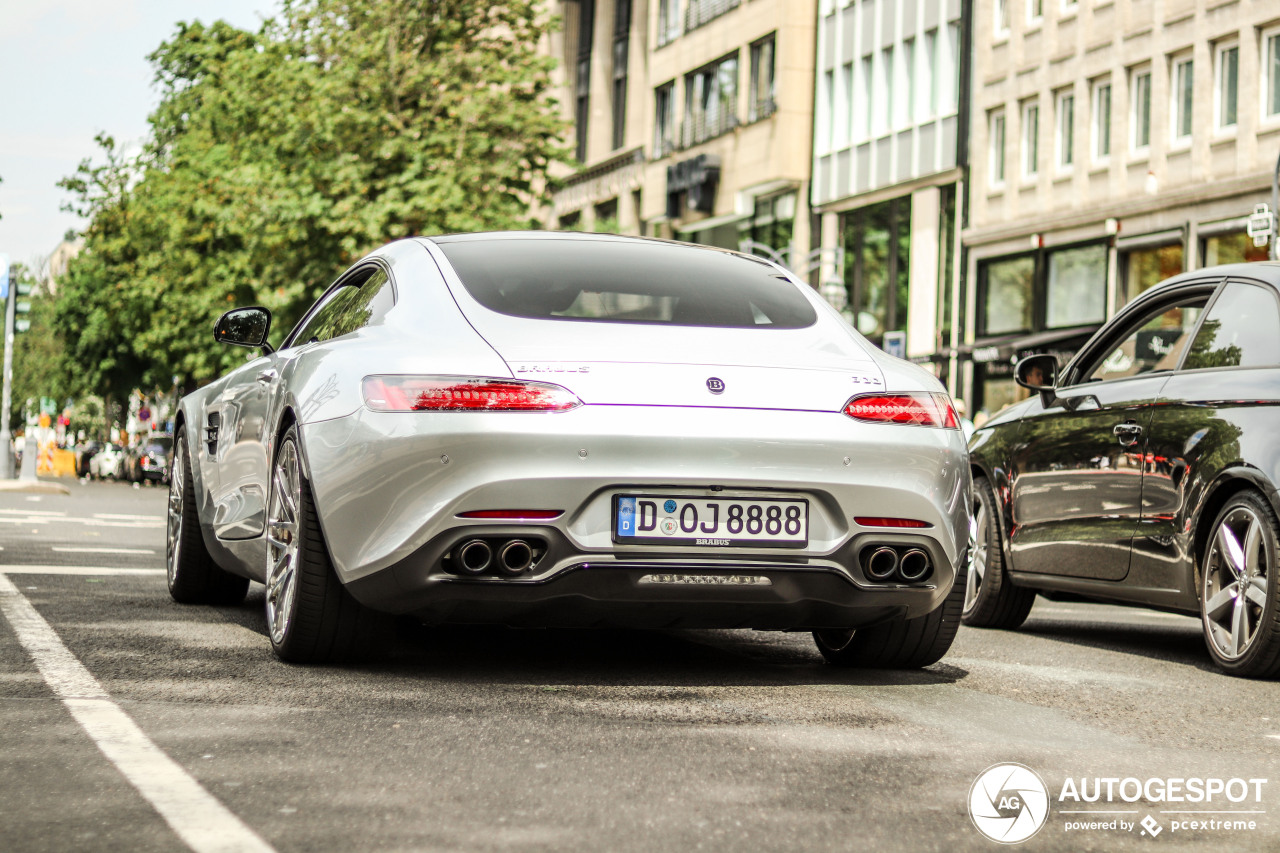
(244,327)
(1039,373)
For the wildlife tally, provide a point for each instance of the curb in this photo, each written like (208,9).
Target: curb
(33,487)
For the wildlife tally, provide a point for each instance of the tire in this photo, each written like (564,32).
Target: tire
(1242,632)
(311,618)
(899,643)
(991,600)
(194,578)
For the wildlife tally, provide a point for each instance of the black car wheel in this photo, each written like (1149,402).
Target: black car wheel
(898,643)
(194,578)
(1238,588)
(311,618)
(991,600)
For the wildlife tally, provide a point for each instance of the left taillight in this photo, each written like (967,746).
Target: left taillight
(929,410)
(464,394)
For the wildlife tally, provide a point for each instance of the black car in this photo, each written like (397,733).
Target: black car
(1145,471)
(150,460)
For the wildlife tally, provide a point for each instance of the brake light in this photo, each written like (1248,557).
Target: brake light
(464,394)
(512,513)
(930,410)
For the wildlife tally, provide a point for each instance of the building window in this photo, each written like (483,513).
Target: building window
(668,21)
(1006,298)
(907,110)
(1141,91)
(1066,130)
(867,113)
(1228,70)
(664,120)
(771,226)
(997,141)
(884,106)
(1030,139)
(763,101)
(1271,73)
(1183,78)
(1001,21)
(824,125)
(949,96)
(700,12)
(877,244)
(710,101)
(1035,12)
(842,114)
(1233,248)
(1077,286)
(929,78)
(1101,126)
(1144,268)
(621,48)
(1069,7)
(582,77)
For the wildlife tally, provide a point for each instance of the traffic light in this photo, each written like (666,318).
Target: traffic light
(21,307)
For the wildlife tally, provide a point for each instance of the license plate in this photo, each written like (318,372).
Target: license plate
(710,522)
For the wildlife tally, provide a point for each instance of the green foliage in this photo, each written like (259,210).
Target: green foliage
(278,158)
(39,367)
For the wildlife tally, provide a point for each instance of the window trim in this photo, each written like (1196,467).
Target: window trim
(1265,118)
(1220,52)
(1034,20)
(997,155)
(1176,63)
(1095,123)
(1064,132)
(1143,72)
(366,268)
(1030,165)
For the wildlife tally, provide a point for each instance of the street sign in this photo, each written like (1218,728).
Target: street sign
(1261,225)
(4,276)
(895,344)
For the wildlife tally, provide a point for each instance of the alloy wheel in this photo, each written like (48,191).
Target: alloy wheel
(1236,575)
(176,509)
(979,543)
(283,526)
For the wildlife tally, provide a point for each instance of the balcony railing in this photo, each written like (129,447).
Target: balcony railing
(762,109)
(701,11)
(704,126)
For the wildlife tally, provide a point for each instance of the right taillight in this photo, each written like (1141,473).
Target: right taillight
(929,410)
(464,394)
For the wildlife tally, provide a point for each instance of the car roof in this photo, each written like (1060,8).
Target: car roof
(1266,270)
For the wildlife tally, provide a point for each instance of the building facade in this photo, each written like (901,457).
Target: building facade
(1115,143)
(888,164)
(692,120)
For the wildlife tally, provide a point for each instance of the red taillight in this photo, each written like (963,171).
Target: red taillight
(512,513)
(464,394)
(870,521)
(931,410)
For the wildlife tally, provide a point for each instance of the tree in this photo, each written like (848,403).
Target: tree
(277,159)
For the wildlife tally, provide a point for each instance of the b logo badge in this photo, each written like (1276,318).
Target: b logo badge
(715,385)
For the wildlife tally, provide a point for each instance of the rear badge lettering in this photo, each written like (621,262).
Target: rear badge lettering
(707,580)
(715,385)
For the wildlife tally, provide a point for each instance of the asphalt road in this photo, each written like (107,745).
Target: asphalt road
(480,740)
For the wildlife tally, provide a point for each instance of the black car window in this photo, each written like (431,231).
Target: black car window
(617,281)
(1153,342)
(1242,329)
(348,308)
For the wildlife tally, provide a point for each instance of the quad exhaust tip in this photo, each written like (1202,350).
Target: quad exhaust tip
(493,556)
(896,564)
(474,557)
(515,557)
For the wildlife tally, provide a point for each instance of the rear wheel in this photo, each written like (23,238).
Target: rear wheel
(899,643)
(991,600)
(311,618)
(194,578)
(1238,588)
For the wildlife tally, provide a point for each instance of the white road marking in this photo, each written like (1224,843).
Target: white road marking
(154,523)
(124,516)
(33,569)
(31,512)
(78,550)
(198,818)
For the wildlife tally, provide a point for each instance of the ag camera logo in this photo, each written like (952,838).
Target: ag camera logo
(1009,803)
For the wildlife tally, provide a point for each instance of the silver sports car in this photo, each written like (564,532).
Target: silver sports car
(573,430)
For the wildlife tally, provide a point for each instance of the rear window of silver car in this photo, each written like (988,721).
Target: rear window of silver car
(619,281)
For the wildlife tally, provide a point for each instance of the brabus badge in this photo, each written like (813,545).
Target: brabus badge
(715,385)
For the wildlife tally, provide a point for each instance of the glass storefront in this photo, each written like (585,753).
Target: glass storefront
(1232,248)
(1144,268)
(877,245)
(1006,295)
(772,223)
(1077,286)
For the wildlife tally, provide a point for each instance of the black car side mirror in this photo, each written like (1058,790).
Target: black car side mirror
(244,327)
(1039,373)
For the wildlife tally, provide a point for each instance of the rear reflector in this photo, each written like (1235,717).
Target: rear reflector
(869,521)
(512,513)
(931,410)
(464,394)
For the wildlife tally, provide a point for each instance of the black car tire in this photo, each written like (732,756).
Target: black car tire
(194,577)
(311,618)
(1245,513)
(993,602)
(899,643)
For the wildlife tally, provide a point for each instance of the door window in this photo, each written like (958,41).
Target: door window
(1241,330)
(347,309)
(1154,342)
